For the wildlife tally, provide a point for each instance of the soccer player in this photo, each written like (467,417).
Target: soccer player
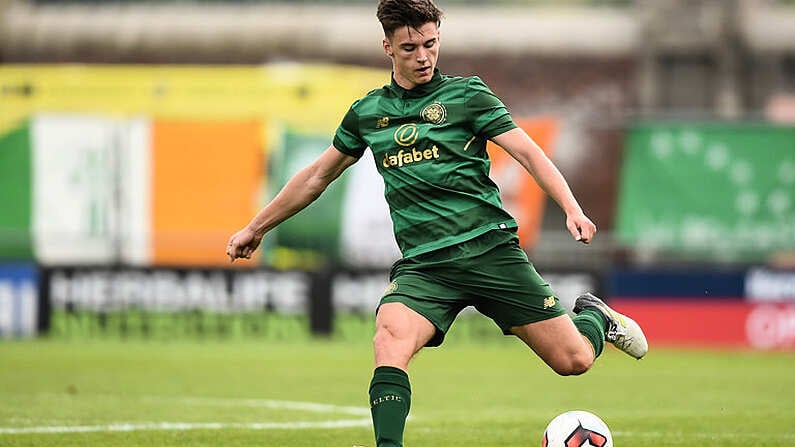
(428,133)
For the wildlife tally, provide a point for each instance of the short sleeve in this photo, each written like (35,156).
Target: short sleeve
(347,138)
(489,115)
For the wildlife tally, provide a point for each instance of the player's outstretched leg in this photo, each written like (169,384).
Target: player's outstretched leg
(623,332)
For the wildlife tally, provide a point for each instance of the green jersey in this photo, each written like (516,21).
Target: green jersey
(429,145)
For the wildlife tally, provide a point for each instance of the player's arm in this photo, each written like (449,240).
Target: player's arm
(301,190)
(521,147)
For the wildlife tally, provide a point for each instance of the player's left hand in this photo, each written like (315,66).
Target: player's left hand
(581,227)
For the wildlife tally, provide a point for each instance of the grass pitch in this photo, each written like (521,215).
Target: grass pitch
(300,393)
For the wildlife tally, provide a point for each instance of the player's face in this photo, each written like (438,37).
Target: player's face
(414,53)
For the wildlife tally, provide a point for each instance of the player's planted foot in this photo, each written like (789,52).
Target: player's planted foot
(623,332)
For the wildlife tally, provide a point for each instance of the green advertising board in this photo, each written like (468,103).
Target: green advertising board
(15,188)
(709,191)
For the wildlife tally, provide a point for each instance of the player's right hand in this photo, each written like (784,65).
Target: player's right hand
(581,227)
(242,244)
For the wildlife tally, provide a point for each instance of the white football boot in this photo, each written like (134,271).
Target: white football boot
(621,331)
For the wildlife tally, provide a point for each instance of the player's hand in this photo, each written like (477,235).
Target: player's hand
(242,244)
(581,227)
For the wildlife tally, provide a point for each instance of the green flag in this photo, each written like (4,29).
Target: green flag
(15,194)
(312,236)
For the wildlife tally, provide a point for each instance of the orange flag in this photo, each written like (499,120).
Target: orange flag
(205,180)
(521,196)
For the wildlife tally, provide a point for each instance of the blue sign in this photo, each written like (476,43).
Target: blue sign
(677,283)
(19,300)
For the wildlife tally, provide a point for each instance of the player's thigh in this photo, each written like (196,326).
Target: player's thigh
(558,343)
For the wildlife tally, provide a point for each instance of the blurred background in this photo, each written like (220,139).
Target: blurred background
(137,136)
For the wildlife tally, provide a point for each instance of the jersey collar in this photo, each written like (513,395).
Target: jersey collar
(420,90)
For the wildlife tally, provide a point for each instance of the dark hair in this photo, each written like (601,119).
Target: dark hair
(394,14)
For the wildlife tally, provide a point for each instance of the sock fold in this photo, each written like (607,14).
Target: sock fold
(390,375)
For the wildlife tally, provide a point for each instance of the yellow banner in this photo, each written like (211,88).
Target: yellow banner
(313,97)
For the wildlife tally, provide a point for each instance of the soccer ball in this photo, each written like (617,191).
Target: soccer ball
(577,429)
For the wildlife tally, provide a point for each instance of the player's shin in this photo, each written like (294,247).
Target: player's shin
(390,400)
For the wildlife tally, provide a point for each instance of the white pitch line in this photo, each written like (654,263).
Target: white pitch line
(262,403)
(184,426)
(237,402)
(210,401)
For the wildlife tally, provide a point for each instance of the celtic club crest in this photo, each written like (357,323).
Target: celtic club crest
(434,113)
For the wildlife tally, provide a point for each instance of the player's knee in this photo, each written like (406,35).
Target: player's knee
(391,349)
(580,365)
(385,336)
(573,365)
(380,339)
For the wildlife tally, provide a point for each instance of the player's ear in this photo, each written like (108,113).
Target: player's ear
(387,47)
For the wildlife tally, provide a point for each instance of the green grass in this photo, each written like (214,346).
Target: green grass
(468,393)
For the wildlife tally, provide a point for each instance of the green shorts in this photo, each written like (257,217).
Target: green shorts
(491,273)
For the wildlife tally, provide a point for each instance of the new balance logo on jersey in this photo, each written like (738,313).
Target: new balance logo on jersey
(409,156)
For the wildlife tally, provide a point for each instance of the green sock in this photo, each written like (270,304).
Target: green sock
(390,400)
(591,323)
